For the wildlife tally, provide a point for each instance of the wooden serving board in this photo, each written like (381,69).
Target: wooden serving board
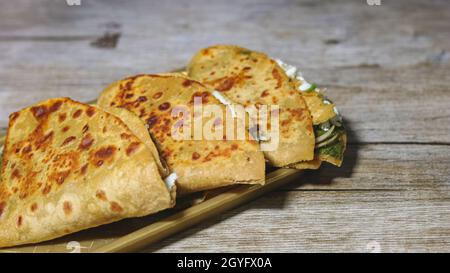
(135,233)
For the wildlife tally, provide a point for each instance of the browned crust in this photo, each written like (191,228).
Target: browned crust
(199,164)
(49,184)
(251,78)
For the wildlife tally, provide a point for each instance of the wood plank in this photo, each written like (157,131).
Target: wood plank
(383,167)
(387,68)
(396,195)
(382,111)
(391,105)
(325,221)
(347,36)
(371,79)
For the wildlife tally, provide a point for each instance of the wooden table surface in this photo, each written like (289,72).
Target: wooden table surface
(387,67)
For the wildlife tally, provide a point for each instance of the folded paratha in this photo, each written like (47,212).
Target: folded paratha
(69,166)
(137,126)
(200,164)
(252,78)
(331,136)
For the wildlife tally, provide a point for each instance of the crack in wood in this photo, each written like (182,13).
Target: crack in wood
(108,40)
(399,143)
(343,190)
(45,38)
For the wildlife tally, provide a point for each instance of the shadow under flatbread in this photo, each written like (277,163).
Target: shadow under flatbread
(273,200)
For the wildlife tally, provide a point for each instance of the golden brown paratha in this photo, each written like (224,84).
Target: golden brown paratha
(331,136)
(69,166)
(252,78)
(200,164)
(137,126)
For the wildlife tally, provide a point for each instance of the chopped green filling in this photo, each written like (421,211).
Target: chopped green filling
(335,148)
(311,88)
(318,131)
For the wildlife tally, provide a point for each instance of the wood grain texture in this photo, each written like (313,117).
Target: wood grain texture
(323,221)
(393,196)
(386,67)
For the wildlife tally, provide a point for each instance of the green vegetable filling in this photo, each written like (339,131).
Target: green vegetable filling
(334,149)
(311,88)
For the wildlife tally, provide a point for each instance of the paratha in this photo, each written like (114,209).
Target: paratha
(248,77)
(331,135)
(137,126)
(69,166)
(200,164)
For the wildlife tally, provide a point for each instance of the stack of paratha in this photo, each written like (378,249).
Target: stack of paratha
(311,131)
(68,166)
(199,163)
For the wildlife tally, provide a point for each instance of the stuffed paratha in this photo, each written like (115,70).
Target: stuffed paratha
(252,78)
(199,164)
(69,166)
(241,74)
(331,136)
